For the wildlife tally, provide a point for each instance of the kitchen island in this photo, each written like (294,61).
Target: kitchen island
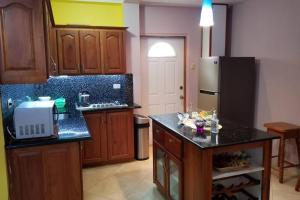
(184,167)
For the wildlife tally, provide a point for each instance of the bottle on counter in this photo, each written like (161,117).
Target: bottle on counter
(214,126)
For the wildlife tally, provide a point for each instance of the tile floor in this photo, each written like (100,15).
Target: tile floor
(133,181)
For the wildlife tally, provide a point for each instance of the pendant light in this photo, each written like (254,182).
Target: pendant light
(207,18)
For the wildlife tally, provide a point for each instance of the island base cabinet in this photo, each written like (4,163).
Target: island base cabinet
(167,173)
(174,174)
(159,167)
(50,172)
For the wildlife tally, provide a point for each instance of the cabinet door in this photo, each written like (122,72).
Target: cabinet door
(50,172)
(113,51)
(90,52)
(23,58)
(26,178)
(159,167)
(51,44)
(95,150)
(174,174)
(68,52)
(62,172)
(120,135)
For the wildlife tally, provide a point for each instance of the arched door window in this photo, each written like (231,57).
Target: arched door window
(161,49)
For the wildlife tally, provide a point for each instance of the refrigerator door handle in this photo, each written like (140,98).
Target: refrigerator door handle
(208,92)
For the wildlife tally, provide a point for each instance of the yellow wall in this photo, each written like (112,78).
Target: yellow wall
(3,175)
(87,13)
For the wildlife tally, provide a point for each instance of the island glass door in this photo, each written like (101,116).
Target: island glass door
(160,167)
(174,178)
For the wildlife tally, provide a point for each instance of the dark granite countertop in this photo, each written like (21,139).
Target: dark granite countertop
(71,129)
(230,134)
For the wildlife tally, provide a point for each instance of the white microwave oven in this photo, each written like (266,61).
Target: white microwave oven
(34,119)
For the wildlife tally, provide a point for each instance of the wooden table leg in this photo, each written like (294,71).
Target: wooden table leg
(297,188)
(281,159)
(298,148)
(278,158)
(266,174)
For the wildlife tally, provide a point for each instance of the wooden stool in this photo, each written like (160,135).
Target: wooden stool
(285,131)
(297,188)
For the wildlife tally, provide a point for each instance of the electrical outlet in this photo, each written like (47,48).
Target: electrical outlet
(116,86)
(10,103)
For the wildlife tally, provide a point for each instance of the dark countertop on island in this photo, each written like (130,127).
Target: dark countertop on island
(230,134)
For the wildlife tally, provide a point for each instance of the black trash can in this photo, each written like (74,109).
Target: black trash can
(141,139)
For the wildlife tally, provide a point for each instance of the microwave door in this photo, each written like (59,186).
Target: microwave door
(208,100)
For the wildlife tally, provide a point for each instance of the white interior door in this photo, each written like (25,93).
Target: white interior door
(162,75)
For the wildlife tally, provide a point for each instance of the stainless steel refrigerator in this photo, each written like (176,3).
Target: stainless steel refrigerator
(227,84)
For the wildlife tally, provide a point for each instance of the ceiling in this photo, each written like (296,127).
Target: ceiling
(165,2)
(180,2)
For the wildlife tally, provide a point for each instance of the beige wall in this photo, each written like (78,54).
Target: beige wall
(162,20)
(270,31)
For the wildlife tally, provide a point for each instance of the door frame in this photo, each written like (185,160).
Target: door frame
(180,36)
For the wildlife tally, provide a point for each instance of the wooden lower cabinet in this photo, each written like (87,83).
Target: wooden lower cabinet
(50,172)
(120,135)
(112,137)
(95,150)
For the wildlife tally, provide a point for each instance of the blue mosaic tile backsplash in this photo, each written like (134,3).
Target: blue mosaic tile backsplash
(100,88)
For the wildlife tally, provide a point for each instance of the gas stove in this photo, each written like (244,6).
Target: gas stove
(99,106)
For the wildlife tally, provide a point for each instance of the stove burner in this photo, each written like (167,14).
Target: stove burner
(98,106)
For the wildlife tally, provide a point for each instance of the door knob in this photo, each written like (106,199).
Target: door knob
(181,97)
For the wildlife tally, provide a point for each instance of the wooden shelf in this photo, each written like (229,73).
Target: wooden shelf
(233,189)
(251,169)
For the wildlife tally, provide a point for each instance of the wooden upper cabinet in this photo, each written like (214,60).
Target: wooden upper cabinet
(68,51)
(95,150)
(51,44)
(22,57)
(90,53)
(113,51)
(120,135)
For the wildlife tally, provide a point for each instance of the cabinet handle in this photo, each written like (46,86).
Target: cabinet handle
(53,64)
(170,140)
(157,131)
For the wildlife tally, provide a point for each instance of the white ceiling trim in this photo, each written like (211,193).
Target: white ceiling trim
(100,1)
(188,3)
